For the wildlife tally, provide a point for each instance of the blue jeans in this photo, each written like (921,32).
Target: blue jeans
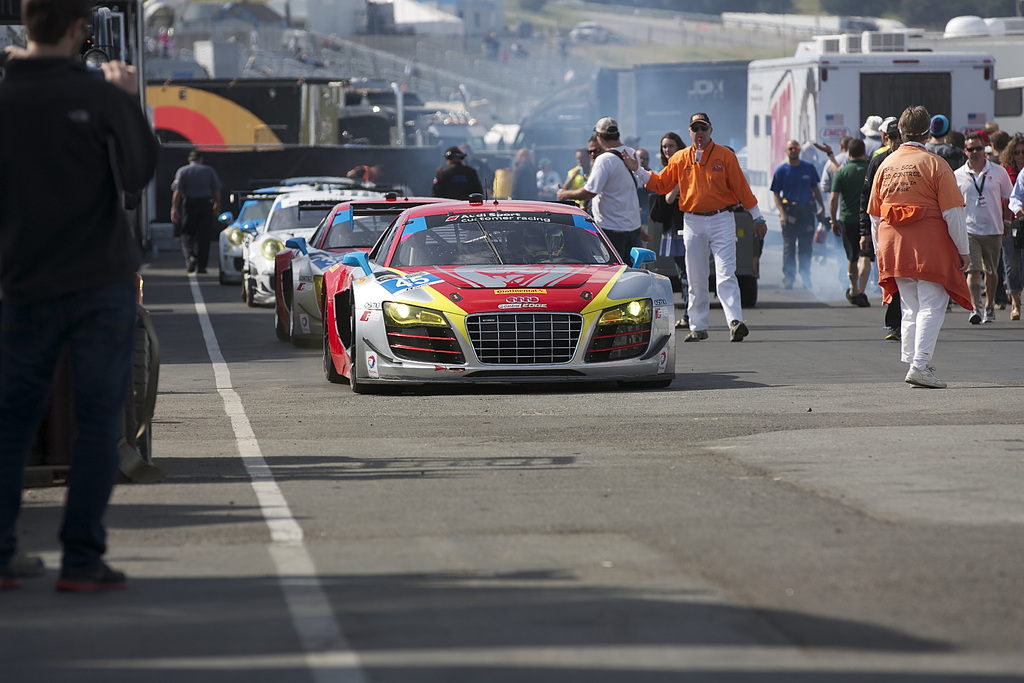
(98,327)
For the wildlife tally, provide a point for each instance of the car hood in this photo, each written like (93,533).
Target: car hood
(478,289)
(523,277)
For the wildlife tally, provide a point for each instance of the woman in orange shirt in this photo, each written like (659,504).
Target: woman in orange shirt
(920,234)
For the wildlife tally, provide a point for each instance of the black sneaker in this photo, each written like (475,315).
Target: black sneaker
(849,296)
(191,265)
(90,580)
(862,300)
(737,330)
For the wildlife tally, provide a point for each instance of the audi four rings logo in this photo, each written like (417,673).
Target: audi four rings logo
(522,302)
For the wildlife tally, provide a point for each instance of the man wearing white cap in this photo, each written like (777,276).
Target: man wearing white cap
(612,187)
(711,187)
(872,135)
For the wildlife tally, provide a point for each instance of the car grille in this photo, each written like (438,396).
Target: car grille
(524,338)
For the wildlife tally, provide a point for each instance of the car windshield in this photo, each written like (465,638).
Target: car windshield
(501,238)
(358,231)
(297,217)
(255,210)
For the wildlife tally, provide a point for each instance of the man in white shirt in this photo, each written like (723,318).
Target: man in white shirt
(984,185)
(612,187)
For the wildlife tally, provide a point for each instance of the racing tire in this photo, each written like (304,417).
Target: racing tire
(748,290)
(330,372)
(281,327)
(355,357)
(142,369)
(250,292)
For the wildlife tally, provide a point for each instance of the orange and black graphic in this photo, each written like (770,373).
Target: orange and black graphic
(207,119)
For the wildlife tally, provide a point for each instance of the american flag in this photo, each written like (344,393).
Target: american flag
(834,120)
(975,119)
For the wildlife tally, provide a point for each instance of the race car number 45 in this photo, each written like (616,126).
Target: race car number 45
(408,282)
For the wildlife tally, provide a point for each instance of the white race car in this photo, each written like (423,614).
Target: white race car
(295,214)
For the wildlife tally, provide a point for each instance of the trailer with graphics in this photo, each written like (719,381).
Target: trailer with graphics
(830,87)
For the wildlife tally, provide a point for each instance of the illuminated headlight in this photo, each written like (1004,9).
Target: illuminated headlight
(407,315)
(636,312)
(235,236)
(270,248)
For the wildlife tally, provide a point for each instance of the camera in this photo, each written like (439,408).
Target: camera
(107,39)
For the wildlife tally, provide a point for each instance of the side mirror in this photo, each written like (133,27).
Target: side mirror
(249,227)
(641,256)
(298,243)
(358,259)
(227,218)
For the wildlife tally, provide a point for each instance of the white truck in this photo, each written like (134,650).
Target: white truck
(830,87)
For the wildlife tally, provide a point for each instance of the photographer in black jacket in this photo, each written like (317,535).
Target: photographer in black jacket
(70,145)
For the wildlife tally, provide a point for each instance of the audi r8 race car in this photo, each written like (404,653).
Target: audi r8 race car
(299,268)
(509,292)
(292,214)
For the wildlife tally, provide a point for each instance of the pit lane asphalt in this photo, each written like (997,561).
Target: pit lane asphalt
(788,510)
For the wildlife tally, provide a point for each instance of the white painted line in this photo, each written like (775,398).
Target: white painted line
(329,656)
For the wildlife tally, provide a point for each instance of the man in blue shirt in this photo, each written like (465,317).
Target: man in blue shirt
(795,187)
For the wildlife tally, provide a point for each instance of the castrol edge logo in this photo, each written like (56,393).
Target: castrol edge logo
(522,302)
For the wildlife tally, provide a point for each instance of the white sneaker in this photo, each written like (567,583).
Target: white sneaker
(924,378)
(990,314)
(975,317)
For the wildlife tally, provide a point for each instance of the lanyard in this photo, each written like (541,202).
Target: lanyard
(979,189)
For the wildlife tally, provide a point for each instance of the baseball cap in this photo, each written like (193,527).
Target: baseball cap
(454,153)
(939,126)
(607,126)
(700,117)
(890,127)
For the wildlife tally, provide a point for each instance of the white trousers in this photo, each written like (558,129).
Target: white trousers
(923,305)
(705,235)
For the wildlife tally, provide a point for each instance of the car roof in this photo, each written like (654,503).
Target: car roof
(509,206)
(294,198)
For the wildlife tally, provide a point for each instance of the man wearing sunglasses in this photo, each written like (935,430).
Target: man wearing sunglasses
(711,186)
(612,187)
(985,186)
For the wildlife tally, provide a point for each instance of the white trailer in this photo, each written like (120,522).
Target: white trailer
(832,85)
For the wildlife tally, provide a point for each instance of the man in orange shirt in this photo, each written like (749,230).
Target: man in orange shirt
(711,186)
(919,228)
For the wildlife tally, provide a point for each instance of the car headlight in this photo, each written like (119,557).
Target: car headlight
(635,312)
(270,248)
(408,315)
(235,236)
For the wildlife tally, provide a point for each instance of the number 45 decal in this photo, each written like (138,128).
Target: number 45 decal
(408,282)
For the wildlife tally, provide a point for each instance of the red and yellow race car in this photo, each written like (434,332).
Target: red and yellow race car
(502,292)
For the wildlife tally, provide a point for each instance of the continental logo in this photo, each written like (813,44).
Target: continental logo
(520,291)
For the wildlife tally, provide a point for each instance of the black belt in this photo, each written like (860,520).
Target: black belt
(710,213)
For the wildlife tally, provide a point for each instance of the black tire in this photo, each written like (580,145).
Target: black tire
(330,372)
(282,328)
(250,292)
(355,356)
(748,290)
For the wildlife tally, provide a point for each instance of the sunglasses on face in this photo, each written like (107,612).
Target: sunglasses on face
(593,152)
(975,149)
(700,127)
(1019,150)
